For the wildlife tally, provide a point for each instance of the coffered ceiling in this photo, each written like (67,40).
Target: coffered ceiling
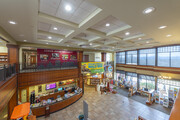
(92,24)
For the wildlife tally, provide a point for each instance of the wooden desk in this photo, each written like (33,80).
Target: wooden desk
(40,111)
(147,92)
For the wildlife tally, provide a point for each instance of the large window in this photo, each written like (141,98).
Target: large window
(147,82)
(131,57)
(131,79)
(169,56)
(120,57)
(147,57)
(120,75)
(166,85)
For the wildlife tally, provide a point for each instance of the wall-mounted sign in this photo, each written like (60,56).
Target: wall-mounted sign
(92,67)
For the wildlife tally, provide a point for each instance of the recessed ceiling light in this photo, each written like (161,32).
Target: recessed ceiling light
(168,35)
(49,37)
(162,27)
(47,43)
(147,42)
(139,38)
(55,28)
(12,22)
(25,40)
(90,43)
(68,8)
(148,10)
(127,33)
(107,24)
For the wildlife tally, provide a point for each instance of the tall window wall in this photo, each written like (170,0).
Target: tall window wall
(146,82)
(147,57)
(131,79)
(166,85)
(120,57)
(169,56)
(166,57)
(120,75)
(131,57)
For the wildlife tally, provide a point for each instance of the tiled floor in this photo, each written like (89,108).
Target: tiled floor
(107,107)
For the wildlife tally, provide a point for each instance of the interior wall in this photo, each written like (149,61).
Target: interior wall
(109,57)
(97,57)
(91,56)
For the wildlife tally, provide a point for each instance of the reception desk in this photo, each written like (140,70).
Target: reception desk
(40,111)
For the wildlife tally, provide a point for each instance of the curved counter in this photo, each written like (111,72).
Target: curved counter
(40,111)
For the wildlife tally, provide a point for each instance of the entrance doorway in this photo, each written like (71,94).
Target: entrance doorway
(33,60)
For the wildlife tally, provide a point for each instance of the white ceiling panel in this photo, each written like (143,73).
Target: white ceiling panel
(85,36)
(80,9)
(50,28)
(114,24)
(49,6)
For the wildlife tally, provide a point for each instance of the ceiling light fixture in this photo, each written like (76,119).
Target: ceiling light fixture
(162,27)
(168,35)
(68,8)
(127,33)
(148,10)
(107,24)
(12,22)
(47,43)
(90,43)
(147,42)
(25,40)
(49,37)
(139,38)
(55,28)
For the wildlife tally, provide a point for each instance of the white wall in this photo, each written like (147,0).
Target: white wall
(93,56)
(97,57)
(3,49)
(109,57)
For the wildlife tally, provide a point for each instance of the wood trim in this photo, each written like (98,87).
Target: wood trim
(36,78)
(12,103)
(175,110)
(7,90)
(152,68)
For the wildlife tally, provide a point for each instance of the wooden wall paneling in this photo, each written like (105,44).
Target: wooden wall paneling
(12,103)
(35,78)
(19,93)
(7,90)
(103,57)
(27,94)
(151,68)
(13,53)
